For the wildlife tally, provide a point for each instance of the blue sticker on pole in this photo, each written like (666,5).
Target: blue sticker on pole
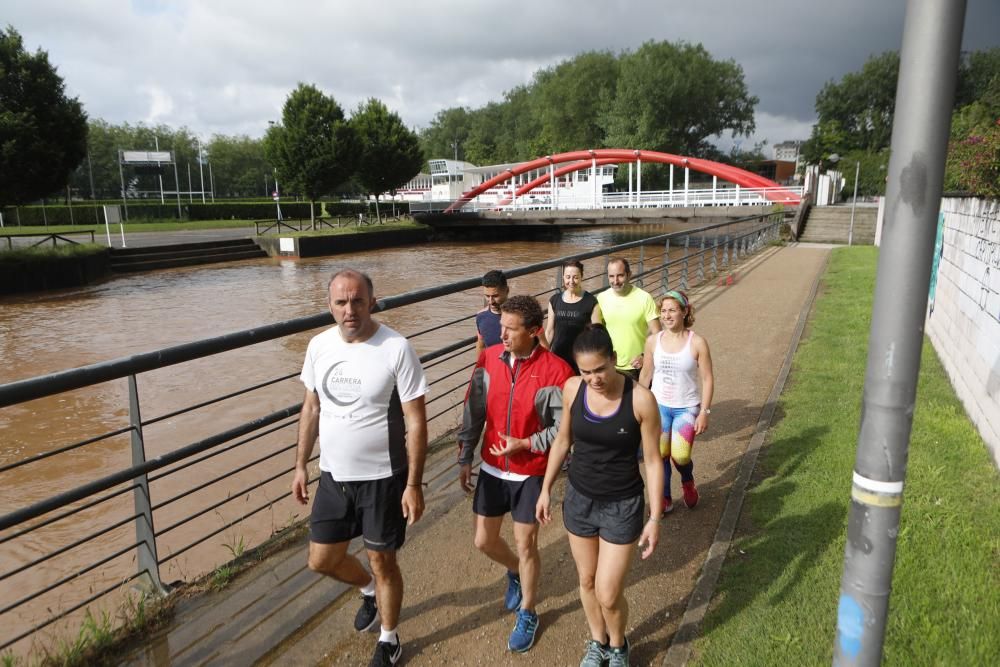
(850,626)
(936,263)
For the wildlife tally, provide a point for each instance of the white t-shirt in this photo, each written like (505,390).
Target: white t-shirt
(361,388)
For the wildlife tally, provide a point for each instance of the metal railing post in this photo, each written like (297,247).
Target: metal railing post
(605,277)
(684,271)
(145,535)
(725,252)
(642,256)
(559,276)
(665,279)
(701,261)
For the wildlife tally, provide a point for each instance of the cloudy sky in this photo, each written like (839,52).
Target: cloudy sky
(226,66)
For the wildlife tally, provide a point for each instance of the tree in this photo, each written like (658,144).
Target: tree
(390,152)
(445,137)
(673,97)
(239,166)
(862,104)
(43,133)
(569,99)
(314,148)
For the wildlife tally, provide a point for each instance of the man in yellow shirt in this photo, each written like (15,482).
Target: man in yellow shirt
(630,315)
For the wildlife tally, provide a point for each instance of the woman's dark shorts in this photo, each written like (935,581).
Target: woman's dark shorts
(371,508)
(614,521)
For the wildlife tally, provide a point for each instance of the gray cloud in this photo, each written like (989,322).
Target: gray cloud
(226,66)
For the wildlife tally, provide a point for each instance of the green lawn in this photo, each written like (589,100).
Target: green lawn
(352,229)
(776,600)
(41,254)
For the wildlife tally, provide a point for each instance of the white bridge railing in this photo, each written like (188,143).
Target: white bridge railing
(730,196)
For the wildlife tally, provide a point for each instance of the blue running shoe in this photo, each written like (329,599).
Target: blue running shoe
(512,598)
(523,636)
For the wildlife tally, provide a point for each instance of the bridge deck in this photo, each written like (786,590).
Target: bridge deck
(452,612)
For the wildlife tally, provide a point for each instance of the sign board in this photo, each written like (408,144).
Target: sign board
(145,157)
(275,196)
(286,244)
(113,215)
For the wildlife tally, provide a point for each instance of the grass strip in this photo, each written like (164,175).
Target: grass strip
(349,230)
(45,254)
(776,601)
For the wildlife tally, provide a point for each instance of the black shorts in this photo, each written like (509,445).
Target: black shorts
(614,521)
(496,497)
(370,508)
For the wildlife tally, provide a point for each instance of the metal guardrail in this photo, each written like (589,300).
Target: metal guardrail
(43,238)
(706,250)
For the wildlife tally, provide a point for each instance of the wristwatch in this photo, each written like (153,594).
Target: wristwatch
(708,411)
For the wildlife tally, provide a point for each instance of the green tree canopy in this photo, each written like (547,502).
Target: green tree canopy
(570,98)
(673,97)
(239,166)
(314,148)
(389,154)
(43,133)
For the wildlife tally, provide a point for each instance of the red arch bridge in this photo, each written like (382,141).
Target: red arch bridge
(574,181)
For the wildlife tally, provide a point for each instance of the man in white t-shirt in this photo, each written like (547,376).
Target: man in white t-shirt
(364,400)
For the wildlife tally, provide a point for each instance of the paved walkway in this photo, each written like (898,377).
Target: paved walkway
(280,613)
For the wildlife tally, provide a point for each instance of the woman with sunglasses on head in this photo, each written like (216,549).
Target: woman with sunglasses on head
(674,361)
(607,416)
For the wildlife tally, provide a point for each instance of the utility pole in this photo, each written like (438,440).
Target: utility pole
(928,70)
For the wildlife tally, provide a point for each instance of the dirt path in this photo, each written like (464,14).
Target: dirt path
(452,610)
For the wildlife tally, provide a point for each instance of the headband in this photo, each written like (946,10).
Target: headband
(678,297)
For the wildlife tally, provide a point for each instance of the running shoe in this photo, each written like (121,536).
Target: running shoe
(512,598)
(596,655)
(386,654)
(618,657)
(367,614)
(690,493)
(668,506)
(523,636)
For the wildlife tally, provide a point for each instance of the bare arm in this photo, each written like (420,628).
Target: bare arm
(308,432)
(648,415)
(550,323)
(654,326)
(646,373)
(415,416)
(558,452)
(595,315)
(704,357)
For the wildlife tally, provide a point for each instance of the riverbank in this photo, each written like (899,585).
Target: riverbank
(38,269)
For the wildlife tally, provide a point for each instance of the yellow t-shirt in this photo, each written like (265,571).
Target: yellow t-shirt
(627,320)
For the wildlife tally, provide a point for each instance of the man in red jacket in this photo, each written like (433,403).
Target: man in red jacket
(516,392)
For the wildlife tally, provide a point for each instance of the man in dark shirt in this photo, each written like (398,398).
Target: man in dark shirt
(495,291)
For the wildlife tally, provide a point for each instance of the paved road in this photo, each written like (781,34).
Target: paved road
(452,612)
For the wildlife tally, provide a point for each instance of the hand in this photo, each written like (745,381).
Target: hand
(701,423)
(465,477)
(413,503)
(637,362)
(542,509)
(300,489)
(511,445)
(650,537)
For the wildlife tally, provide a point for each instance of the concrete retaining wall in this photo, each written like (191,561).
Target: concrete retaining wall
(963,320)
(320,246)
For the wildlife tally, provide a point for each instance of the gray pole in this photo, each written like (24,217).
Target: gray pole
(932,37)
(201,171)
(177,185)
(121,176)
(93,195)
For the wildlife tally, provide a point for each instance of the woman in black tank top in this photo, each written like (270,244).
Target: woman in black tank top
(607,417)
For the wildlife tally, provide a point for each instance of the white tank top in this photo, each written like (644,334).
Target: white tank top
(675,376)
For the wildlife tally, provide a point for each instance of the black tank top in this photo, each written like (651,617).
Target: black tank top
(570,319)
(605,463)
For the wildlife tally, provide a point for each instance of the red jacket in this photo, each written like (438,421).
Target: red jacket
(524,401)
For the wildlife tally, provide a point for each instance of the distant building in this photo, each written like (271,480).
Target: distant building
(788,151)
